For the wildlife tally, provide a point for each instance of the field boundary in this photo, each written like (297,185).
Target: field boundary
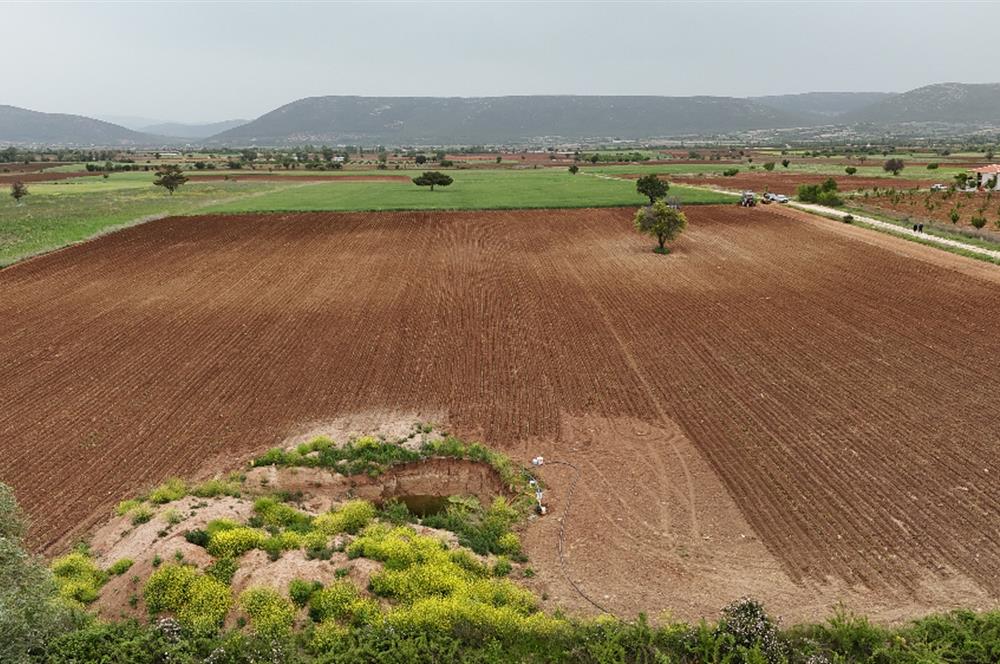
(923,238)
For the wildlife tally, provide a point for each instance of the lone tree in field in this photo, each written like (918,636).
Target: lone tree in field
(850,170)
(18,190)
(574,169)
(170,177)
(432,179)
(652,186)
(893,166)
(661,221)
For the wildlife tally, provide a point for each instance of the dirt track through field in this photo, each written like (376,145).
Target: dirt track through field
(776,405)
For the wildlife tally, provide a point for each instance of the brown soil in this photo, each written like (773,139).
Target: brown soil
(9,167)
(822,388)
(279,177)
(788,183)
(7,178)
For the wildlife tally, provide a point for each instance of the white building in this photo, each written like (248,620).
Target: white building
(985,175)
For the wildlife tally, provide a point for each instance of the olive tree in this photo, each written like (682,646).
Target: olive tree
(652,186)
(662,221)
(894,166)
(170,177)
(432,179)
(30,612)
(18,190)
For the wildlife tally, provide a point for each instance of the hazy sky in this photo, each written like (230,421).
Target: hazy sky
(213,61)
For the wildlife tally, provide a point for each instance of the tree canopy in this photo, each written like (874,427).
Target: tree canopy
(893,166)
(432,179)
(652,186)
(18,190)
(170,177)
(661,221)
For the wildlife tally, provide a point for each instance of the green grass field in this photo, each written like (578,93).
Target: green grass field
(54,216)
(472,190)
(60,213)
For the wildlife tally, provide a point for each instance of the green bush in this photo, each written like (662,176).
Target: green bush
(334,602)
(821,194)
(78,577)
(223,570)
(126,506)
(278,514)
(301,590)
(214,488)
(271,615)
(120,566)
(351,517)
(234,542)
(140,514)
(730,172)
(171,490)
(199,602)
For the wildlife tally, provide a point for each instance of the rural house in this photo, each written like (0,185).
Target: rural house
(987,175)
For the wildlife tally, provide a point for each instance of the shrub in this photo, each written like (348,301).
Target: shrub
(197,537)
(822,194)
(502,567)
(218,525)
(978,222)
(850,170)
(207,604)
(932,166)
(171,490)
(351,517)
(77,577)
(234,542)
(847,218)
(218,487)
(749,627)
(396,512)
(126,506)
(223,570)
(769,166)
(271,615)
(140,514)
(199,602)
(332,602)
(276,513)
(120,566)
(574,169)
(329,636)
(730,172)
(301,590)
(172,517)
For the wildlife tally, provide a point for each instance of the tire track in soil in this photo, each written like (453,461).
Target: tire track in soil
(839,388)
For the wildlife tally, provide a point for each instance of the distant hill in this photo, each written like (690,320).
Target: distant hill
(438,120)
(960,103)
(180,130)
(21,126)
(823,107)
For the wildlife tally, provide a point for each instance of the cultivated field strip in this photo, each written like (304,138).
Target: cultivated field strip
(844,394)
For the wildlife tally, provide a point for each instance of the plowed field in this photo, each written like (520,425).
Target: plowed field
(825,401)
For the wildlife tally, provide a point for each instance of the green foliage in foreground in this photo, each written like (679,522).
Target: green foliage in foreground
(962,636)
(445,607)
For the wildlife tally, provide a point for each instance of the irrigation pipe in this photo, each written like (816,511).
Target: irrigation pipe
(538,462)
